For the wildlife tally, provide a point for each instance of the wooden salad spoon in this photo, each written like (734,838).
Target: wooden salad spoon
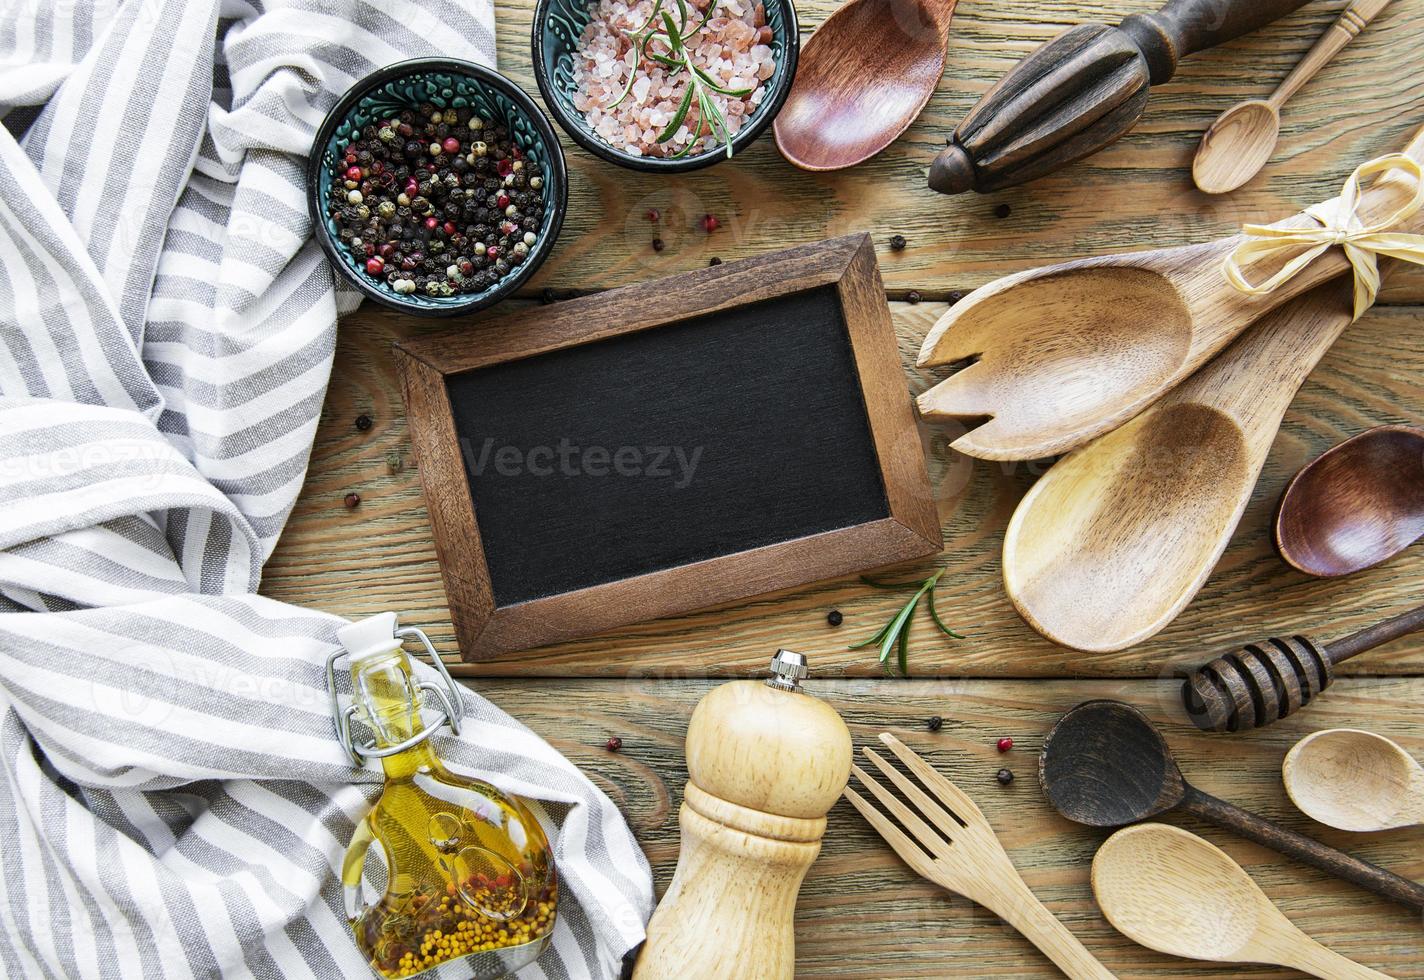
(1358,504)
(862,78)
(1172,891)
(1243,137)
(1113,542)
(1106,765)
(1067,352)
(1354,780)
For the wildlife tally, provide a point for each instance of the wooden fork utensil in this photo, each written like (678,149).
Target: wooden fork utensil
(951,844)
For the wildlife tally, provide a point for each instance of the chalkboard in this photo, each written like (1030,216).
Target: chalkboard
(663,447)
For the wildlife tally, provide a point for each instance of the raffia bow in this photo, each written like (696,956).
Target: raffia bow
(1340,224)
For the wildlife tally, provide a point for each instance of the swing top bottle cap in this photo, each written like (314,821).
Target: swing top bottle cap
(788,670)
(370,636)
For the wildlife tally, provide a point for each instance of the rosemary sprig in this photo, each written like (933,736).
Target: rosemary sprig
(674,34)
(895,635)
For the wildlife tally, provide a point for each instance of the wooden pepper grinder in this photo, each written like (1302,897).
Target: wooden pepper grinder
(766,762)
(1082,90)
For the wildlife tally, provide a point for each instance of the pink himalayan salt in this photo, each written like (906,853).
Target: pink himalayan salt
(731,47)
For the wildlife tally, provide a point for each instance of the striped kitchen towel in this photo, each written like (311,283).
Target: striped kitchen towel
(173,802)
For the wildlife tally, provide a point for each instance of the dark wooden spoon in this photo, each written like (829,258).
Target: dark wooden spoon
(1359,504)
(862,78)
(1106,765)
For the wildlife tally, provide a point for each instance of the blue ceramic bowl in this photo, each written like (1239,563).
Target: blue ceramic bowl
(557,26)
(444,83)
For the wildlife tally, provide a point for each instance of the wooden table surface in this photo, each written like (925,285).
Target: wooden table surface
(862,913)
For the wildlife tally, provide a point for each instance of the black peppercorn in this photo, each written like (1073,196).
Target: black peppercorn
(897,243)
(935,723)
(614,744)
(363,423)
(834,617)
(658,245)
(955,296)
(1003,211)
(1005,776)
(714,261)
(912,297)
(352,500)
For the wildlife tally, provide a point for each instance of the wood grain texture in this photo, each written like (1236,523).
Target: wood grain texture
(1362,104)
(382,556)
(874,388)
(764,766)
(1106,765)
(1359,504)
(863,914)
(1175,892)
(1163,492)
(1353,779)
(943,835)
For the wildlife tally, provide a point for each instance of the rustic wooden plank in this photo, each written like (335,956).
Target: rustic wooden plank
(1136,194)
(381,555)
(864,914)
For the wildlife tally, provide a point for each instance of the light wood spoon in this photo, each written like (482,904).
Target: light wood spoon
(863,77)
(1065,353)
(1172,891)
(1355,780)
(1114,541)
(1243,137)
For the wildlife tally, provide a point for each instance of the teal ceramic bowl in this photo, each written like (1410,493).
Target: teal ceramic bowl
(445,83)
(557,26)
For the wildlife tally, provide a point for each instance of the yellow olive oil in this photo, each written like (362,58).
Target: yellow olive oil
(457,868)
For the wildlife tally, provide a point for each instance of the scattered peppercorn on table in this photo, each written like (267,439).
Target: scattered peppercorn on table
(617,705)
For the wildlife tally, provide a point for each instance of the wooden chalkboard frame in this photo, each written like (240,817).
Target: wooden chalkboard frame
(912,529)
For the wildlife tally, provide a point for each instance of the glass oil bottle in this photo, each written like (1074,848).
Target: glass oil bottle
(442,868)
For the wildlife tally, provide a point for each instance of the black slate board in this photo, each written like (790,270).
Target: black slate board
(763,400)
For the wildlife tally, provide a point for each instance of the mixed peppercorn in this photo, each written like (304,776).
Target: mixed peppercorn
(437,201)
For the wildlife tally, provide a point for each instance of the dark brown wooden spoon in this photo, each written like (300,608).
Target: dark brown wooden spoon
(1106,765)
(1357,505)
(862,78)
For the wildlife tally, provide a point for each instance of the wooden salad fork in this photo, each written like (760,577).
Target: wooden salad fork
(951,844)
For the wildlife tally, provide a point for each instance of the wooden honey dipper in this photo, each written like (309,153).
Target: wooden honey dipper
(1263,682)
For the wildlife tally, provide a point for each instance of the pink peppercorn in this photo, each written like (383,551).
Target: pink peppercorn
(431,223)
(502,200)
(375,266)
(709,223)
(1005,744)
(492,252)
(451,145)
(353,172)
(449,227)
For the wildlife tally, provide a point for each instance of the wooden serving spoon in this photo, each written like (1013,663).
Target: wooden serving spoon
(863,77)
(1065,353)
(1354,780)
(1243,137)
(1358,504)
(1114,541)
(1171,891)
(1106,765)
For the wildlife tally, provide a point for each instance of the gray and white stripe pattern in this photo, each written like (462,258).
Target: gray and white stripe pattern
(172,800)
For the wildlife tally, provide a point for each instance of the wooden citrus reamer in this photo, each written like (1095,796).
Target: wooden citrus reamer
(765,761)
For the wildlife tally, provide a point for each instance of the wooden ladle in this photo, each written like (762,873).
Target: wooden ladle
(863,77)
(1358,504)
(1354,780)
(1106,765)
(1243,137)
(1114,541)
(1065,353)
(1171,891)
